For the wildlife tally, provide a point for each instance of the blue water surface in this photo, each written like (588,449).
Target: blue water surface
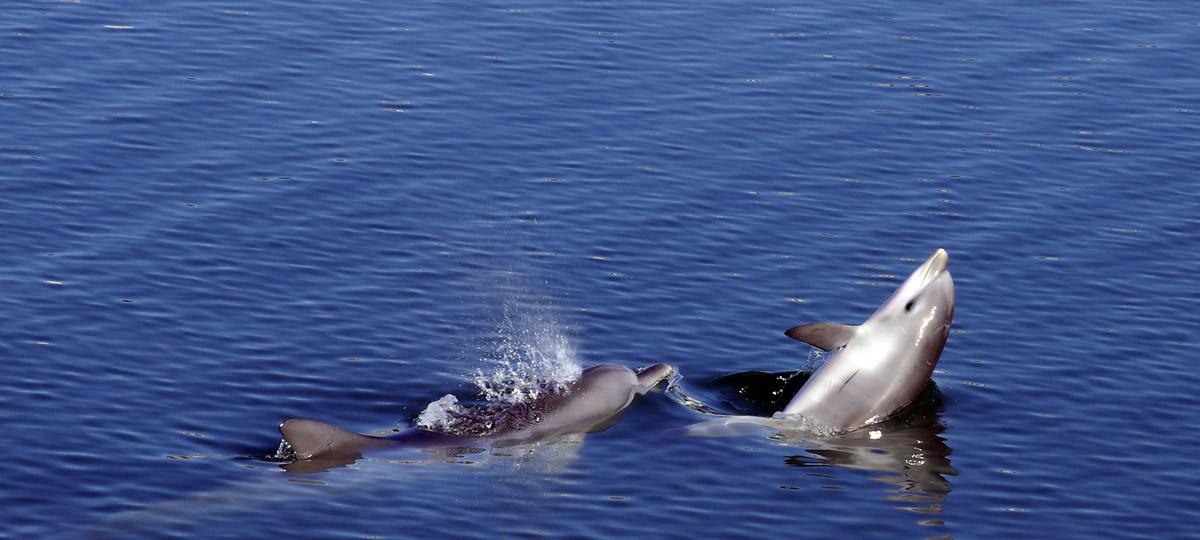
(218,215)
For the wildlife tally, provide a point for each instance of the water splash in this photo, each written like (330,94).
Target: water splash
(282,454)
(793,425)
(527,357)
(815,358)
(531,357)
(440,412)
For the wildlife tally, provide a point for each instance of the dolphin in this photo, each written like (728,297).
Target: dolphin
(593,402)
(881,365)
(877,367)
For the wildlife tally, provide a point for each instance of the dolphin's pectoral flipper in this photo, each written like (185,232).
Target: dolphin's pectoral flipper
(733,426)
(650,377)
(823,335)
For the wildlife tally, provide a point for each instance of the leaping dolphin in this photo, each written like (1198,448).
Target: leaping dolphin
(593,402)
(882,364)
(877,368)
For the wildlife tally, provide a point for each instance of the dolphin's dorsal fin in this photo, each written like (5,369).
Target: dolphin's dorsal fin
(310,439)
(823,335)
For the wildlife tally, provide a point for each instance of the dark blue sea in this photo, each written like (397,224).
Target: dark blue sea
(215,216)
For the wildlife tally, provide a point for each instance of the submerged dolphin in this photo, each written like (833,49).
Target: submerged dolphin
(878,368)
(593,402)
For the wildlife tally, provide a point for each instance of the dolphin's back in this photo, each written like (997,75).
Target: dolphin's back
(591,403)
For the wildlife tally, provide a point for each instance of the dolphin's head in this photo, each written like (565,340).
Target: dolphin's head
(920,310)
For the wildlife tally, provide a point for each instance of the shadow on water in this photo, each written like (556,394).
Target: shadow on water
(908,447)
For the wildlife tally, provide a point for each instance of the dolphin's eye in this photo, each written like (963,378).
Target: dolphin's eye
(908,306)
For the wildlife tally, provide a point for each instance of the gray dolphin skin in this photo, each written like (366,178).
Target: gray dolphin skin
(877,368)
(593,402)
(880,366)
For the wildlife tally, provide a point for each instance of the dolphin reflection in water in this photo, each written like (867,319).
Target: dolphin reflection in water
(592,402)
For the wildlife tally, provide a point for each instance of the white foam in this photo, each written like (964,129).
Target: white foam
(439,413)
